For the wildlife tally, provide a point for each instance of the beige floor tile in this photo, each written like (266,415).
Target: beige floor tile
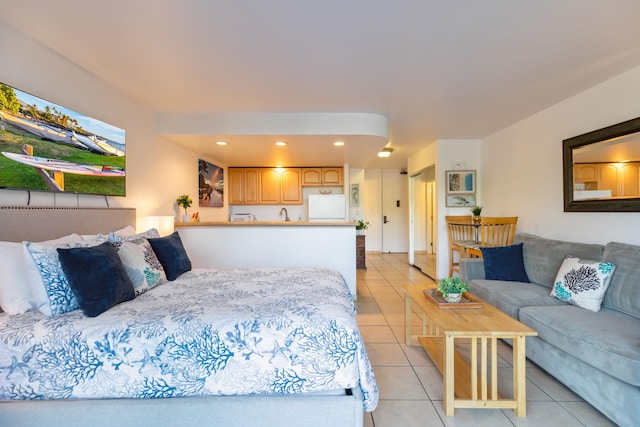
(406,413)
(587,414)
(371,319)
(398,383)
(544,414)
(473,417)
(377,334)
(386,354)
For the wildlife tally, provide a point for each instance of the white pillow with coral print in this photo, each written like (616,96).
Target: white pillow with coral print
(583,282)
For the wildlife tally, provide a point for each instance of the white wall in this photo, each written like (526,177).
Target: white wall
(158,171)
(522,165)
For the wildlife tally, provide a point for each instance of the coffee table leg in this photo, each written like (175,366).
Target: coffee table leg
(520,376)
(448,374)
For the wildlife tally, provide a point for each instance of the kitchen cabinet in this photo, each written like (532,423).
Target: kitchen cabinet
(243,186)
(623,179)
(265,186)
(322,176)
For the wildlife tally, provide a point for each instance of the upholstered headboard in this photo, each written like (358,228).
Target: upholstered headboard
(18,223)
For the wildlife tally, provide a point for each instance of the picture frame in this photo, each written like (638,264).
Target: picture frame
(461,182)
(461,200)
(354,199)
(210,185)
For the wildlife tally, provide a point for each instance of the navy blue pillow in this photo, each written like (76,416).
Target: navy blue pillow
(504,263)
(171,254)
(96,277)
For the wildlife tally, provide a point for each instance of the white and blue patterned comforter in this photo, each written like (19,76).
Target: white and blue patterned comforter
(210,332)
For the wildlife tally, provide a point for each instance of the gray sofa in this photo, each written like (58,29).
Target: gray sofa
(595,354)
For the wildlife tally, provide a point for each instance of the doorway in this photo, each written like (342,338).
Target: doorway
(395,211)
(423,209)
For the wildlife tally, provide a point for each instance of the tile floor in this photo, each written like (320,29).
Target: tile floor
(411,386)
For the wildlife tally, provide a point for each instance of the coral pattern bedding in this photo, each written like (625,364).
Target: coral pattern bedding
(210,332)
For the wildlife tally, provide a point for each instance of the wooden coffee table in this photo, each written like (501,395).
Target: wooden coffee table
(466,383)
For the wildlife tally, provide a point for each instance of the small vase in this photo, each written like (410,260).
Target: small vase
(185,218)
(476,219)
(453,298)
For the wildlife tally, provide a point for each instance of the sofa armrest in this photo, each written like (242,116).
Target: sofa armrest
(471,269)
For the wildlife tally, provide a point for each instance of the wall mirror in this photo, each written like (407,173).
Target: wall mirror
(601,169)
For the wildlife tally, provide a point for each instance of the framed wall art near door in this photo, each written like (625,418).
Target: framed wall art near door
(461,181)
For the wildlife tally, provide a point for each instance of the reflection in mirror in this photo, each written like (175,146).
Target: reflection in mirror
(602,169)
(423,199)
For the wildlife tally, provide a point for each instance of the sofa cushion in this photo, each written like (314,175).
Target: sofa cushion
(504,263)
(543,257)
(583,282)
(624,291)
(588,336)
(510,296)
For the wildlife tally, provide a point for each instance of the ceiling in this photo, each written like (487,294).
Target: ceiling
(433,69)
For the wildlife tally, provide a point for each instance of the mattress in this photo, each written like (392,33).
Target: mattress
(268,331)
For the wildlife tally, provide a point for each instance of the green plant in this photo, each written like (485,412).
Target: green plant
(452,285)
(362,225)
(476,210)
(184,201)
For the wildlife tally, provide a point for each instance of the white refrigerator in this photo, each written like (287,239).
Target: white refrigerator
(329,207)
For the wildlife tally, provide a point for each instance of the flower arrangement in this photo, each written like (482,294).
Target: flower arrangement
(185,202)
(452,285)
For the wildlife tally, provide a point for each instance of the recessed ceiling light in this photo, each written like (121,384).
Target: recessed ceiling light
(338,143)
(281,143)
(221,142)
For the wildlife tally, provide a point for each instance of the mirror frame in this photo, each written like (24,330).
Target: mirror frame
(604,205)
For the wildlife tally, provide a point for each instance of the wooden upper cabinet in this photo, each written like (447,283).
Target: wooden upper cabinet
(251,186)
(236,186)
(322,176)
(269,187)
(291,188)
(332,176)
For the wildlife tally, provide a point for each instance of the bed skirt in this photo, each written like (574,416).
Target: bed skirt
(229,411)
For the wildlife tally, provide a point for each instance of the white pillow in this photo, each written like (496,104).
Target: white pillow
(15,294)
(125,231)
(35,282)
(151,233)
(583,282)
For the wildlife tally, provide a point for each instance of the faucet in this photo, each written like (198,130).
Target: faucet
(286,214)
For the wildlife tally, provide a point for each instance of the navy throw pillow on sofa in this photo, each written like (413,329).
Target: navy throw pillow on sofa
(504,263)
(97,277)
(171,254)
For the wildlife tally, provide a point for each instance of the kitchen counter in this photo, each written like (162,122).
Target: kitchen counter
(266,223)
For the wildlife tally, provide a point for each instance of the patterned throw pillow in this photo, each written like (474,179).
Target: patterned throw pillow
(583,282)
(141,264)
(59,294)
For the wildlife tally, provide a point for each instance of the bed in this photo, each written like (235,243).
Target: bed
(269,346)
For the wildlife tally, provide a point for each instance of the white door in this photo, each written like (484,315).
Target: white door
(395,211)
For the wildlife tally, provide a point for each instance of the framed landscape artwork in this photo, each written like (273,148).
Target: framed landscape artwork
(461,181)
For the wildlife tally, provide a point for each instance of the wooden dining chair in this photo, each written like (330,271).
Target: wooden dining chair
(461,233)
(494,231)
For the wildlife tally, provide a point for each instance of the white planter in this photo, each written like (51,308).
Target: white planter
(453,298)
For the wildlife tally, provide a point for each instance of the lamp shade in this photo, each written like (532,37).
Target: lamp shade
(164,224)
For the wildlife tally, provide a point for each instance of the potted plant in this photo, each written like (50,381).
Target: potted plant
(184,202)
(361,226)
(452,288)
(476,211)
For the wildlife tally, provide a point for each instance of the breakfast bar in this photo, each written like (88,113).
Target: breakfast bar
(273,244)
